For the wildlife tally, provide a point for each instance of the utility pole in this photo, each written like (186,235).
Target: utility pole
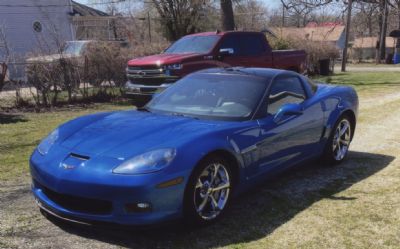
(346,42)
(382,39)
(283,15)
(149,24)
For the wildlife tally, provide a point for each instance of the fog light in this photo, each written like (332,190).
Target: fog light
(138,207)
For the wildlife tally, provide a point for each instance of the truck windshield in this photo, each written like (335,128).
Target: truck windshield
(193,44)
(211,96)
(74,47)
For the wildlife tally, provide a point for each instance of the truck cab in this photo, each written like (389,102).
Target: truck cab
(147,75)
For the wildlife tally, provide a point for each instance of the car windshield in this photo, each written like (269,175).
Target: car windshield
(193,44)
(213,96)
(74,47)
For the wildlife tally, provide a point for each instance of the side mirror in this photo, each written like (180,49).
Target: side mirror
(226,51)
(286,110)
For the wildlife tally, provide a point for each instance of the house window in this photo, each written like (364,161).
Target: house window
(37,26)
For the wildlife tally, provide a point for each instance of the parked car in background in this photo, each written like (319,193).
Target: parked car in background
(60,70)
(147,75)
(71,49)
(210,136)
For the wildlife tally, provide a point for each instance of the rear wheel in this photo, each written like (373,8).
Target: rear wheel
(338,143)
(208,192)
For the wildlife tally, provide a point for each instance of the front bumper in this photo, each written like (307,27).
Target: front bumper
(56,193)
(133,89)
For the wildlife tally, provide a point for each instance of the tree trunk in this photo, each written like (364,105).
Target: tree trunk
(227,19)
(381,44)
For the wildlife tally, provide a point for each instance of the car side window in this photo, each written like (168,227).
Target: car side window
(285,90)
(252,45)
(231,41)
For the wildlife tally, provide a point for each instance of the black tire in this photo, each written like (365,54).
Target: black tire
(331,155)
(191,215)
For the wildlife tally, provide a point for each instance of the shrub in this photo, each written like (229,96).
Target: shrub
(315,51)
(50,78)
(102,67)
(106,62)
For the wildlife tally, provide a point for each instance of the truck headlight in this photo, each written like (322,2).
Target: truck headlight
(176,66)
(148,162)
(48,142)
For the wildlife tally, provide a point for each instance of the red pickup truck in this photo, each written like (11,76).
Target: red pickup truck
(147,75)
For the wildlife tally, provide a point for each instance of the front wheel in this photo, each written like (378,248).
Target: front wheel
(339,141)
(208,192)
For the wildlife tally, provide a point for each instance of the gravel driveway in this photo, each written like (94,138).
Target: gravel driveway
(360,186)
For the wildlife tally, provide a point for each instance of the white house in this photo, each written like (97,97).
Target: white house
(28,26)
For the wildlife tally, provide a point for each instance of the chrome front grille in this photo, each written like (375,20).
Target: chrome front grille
(142,72)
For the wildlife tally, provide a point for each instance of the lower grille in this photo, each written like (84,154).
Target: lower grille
(78,204)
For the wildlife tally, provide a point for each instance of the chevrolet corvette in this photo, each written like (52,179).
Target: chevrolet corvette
(192,148)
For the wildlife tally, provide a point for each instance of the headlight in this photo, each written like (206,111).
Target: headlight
(173,67)
(147,162)
(46,143)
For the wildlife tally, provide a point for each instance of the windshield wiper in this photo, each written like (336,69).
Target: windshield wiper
(182,115)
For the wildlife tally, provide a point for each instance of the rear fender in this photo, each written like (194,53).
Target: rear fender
(343,105)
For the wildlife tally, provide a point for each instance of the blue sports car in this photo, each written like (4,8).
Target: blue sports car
(188,152)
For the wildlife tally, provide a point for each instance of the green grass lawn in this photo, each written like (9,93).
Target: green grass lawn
(364,80)
(20,133)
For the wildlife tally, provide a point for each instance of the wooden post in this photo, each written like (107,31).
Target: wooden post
(148,19)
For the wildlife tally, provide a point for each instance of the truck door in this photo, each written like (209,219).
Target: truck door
(246,50)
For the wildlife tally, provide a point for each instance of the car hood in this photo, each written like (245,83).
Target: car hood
(161,59)
(50,58)
(128,133)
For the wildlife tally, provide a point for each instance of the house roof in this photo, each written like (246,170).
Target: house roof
(370,42)
(84,10)
(318,33)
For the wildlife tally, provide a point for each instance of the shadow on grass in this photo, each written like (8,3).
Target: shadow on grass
(6,118)
(254,214)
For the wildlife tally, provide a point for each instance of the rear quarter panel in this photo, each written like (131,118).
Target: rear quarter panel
(336,100)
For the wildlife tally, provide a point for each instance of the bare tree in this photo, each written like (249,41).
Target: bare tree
(300,10)
(179,17)
(251,15)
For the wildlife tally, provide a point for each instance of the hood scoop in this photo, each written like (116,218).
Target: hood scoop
(79,157)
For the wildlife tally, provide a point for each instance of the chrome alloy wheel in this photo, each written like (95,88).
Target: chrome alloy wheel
(212,190)
(341,140)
